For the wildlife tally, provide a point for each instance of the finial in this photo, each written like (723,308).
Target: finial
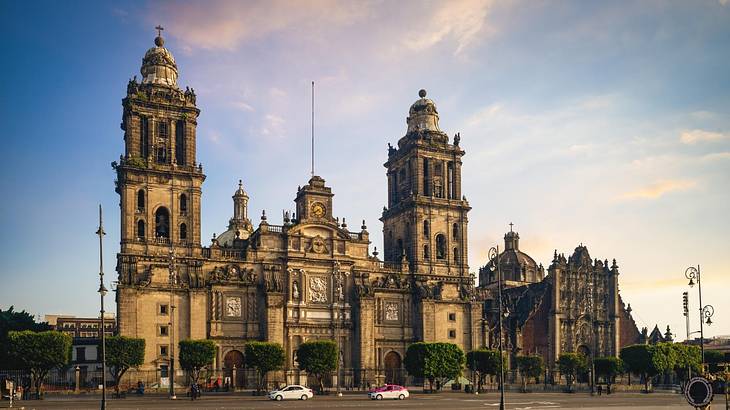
(159,41)
(263,215)
(240,184)
(363,227)
(422,93)
(510,226)
(344,222)
(375,252)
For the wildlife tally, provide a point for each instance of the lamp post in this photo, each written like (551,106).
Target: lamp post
(102,292)
(706,311)
(172,322)
(494,257)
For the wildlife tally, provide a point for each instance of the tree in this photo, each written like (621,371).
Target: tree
(712,358)
(196,355)
(688,360)
(647,360)
(318,358)
(569,365)
(264,357)
(483,362)
(123,353)
(434,361)
(11,320)
(39,352)
(529,366)
(608,368)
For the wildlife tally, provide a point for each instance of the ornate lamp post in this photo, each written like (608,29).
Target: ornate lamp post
(494,257)
(102,292)
(706,311)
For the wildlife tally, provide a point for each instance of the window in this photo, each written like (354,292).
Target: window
(164,330)
(183,232)
(144,132)
(163,351)
(455,231)
(162,142)
(140,229)
(162,223)
(452,334)
(180,142)
(183,203)
(80,354)
(426,254)
(440,246)
(426,178)
(140,200)
(163,309)
(456,255)
(164,370)
(452,317)
(426,229)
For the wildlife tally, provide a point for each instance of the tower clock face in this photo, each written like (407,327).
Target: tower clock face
(318,209)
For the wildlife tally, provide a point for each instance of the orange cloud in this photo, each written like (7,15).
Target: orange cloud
(695,136)
(659,189)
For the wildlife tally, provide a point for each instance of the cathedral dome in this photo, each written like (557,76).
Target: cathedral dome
(515,265)
(158,65)
(423,115)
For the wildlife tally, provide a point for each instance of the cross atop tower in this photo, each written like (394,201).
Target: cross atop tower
(159,29)
(510,226)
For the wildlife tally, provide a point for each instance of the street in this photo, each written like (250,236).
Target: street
(360,401)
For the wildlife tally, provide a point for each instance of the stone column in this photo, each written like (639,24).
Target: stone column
(233,378)
(77,376)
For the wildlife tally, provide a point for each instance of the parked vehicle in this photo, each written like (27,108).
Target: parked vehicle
(389,391)
(292,391)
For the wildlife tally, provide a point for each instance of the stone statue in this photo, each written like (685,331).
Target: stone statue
(295,290)
(457,139)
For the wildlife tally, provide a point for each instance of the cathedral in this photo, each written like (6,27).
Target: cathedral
(311,277)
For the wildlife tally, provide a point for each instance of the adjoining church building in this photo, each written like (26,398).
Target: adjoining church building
(311,277)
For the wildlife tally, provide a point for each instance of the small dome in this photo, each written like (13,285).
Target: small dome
(240,191)
(158,65)
(423,115)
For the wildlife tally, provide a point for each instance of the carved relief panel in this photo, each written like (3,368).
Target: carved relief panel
(392,313)
(318,289)
(233,306)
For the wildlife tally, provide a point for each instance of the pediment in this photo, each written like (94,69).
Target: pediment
(326,232)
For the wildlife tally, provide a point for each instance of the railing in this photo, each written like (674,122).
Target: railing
(276,228)
(390,266)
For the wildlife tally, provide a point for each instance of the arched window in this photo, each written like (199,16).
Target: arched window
(140,199)
(399,250)
(162,223)
(183,203)
(455,231)
(425,252)
(426,230)
(440,246)
(184,232)
(456,255)
(140,229)
(180,142)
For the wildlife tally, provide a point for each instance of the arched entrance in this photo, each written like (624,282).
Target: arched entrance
(583,376)
(234,357)
(392,368)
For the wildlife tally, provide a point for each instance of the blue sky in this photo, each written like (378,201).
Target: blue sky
(603,123)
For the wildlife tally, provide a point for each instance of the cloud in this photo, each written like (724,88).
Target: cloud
(242,106)
(659,189)
(695,136)
(461,20)
(716,156)
(273,126)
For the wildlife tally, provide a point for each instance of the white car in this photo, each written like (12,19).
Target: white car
(292,391)
(389,391)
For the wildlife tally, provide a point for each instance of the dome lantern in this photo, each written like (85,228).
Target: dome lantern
(158,64)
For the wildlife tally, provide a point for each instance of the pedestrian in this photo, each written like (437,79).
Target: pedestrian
(600,389)
(140,387)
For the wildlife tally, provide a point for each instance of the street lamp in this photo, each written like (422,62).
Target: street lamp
(706,311)
(172,322)
(102,292)
(494,257)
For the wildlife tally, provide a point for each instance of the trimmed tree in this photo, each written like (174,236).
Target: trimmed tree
(196,355)
(318,358)
(483,362)
(39,352)
(434,361)
(123,353)
(264,357)
(608,368)
(569,365)
(688,359)
(529,367)
(639,359)
(12,320)
(712,358)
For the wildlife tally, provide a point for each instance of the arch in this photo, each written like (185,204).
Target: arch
(455,231)
(140,229)
(426,230)
(440,246)
(393,371)
(183,203)
(183,231)
(231,358)
(162,222)
(140,199)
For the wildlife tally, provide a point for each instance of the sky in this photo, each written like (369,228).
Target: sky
(601,123)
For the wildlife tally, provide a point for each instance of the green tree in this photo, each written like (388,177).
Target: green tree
(11,320)
(608,368)
(529,366)
(434,361)
(688,360)
(196,355)
(483,362)
(39,352)
(712,358)
(647,360)
(123,353)
(569,365)
(318,358)
(264,357)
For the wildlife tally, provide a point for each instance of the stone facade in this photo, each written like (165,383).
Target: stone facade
(312,277)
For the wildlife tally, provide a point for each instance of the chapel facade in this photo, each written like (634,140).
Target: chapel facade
(312,277)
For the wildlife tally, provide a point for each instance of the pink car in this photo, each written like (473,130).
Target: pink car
(389,391)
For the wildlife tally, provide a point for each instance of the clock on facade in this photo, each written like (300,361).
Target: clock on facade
(318,209)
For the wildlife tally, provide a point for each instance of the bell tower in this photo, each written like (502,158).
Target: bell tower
(158,178)
(426,217)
